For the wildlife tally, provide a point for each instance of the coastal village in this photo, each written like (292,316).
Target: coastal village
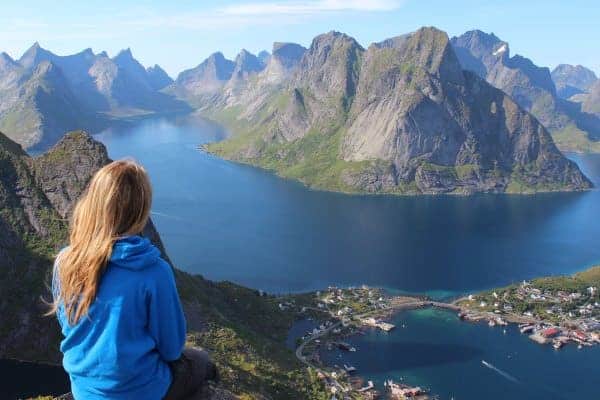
(555,310)
(342,313)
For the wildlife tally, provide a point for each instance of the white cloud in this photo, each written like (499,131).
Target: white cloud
(310,7)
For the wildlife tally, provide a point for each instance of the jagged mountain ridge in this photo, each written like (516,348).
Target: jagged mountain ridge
(217,81)
(244,330)
(531,86)
(44,95)
(399,117)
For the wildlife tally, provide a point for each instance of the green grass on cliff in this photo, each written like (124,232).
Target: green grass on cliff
(571,138)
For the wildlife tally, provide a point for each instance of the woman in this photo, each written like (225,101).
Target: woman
(116,301)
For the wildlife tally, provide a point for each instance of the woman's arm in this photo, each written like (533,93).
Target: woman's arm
(166,321)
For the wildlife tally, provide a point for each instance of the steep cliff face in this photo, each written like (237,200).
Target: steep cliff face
(400,117)
(532,87)
(33,230)
(243,330)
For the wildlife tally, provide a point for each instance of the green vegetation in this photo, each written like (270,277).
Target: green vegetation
(554,299)
(571,138)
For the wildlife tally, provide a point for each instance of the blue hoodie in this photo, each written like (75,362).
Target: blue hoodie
(133,328)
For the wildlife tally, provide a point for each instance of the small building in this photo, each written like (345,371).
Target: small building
(550,332)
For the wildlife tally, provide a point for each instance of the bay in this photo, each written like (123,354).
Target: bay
(233,222)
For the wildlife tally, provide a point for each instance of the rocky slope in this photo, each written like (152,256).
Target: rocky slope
(399,117)
(37,104)
(572,79)
(530,86)
(243,329)
(204,80)
(43,94)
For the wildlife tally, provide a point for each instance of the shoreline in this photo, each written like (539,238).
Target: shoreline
(335,327)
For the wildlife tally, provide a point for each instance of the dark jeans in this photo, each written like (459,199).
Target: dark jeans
(191,373)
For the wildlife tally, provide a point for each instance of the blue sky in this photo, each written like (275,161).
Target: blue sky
(180,34)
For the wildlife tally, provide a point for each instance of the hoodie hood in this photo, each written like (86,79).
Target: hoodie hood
(134,252)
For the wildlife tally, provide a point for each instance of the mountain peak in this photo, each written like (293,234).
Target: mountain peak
(482,44)
(7,61)
(158,78)
(34,55)
(572,79)
(124,55)
(263,56)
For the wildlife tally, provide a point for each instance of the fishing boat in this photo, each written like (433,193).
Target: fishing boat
(557,344)
(526,328)
(349,369)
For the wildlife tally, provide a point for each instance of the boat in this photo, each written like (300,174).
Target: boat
(557,344)
(349,369)
(491,322)
(526,328)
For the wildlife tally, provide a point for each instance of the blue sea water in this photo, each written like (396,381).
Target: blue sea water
(434,349)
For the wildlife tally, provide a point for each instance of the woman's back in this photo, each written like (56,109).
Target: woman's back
(134,327)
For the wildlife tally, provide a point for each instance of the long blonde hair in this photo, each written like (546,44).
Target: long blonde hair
(116,204)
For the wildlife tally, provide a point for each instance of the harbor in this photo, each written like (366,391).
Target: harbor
(343,316)
(345,313)
(545,310)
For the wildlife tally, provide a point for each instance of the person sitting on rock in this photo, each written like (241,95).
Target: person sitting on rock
(116,300)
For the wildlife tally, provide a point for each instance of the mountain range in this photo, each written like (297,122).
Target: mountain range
(243,329)
(412,114)
(402,116)
(535,88)
(43,94)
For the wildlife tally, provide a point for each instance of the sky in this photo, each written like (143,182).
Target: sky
(179,34)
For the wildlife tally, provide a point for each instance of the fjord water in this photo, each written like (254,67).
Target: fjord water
(434,349)
(233,222)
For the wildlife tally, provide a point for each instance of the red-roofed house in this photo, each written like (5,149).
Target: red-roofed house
(550,332)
